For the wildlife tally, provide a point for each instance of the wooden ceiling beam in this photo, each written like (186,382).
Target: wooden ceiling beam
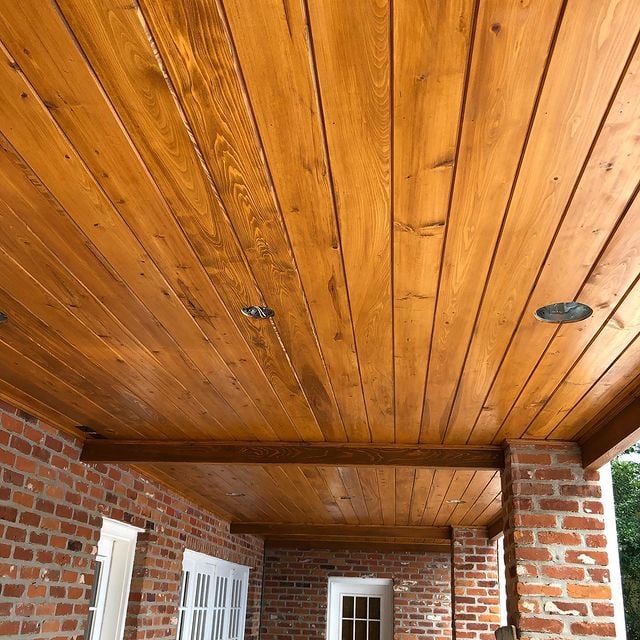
(613,437)
(327,454)
(347,545)
(347,532)
(495,528)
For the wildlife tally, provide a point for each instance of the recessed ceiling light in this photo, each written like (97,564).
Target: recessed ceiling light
(561,312)
(235,494)
(3,317)
(457,501)
(261,313)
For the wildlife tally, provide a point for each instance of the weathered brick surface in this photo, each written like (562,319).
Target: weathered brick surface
(556,558)
(51,508)
(475,587)
(296,591)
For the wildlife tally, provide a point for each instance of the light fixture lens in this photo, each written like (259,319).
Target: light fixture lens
(457,501)
(561,312)
(3,317)
(234,494)
(262,313)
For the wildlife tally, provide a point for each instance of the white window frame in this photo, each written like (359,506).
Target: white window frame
(116,552)
(359,587)
(213,598)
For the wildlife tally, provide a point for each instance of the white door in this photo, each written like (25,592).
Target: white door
(360,609)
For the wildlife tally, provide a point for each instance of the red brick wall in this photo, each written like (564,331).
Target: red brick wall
(50,517)
(295,591)
(556,556)
(476,591)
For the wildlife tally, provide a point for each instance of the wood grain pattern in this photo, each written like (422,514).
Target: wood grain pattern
(99,138)
(509,55)
(431,42)
(574,99)
(192,40)
(306,197)
(351,46)
(128,451)
(403,182)
(138,90)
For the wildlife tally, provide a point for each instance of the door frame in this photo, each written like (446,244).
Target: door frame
(362,586)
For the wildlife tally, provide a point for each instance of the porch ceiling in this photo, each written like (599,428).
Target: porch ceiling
(403,183)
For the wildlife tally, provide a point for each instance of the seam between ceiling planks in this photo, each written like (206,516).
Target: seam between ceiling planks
(497,284)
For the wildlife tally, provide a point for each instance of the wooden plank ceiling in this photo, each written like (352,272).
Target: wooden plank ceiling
(403,183)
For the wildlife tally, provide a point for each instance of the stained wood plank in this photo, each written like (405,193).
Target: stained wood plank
(421,487)
(604,288)
(52,391)
(510,50)
(405,481)
(305,197)
(74,313)
(351,46)
(457,489)
(387,489)
(218,452)
(575,98)
(430,51)
(370,490)
(194,46)
(441,481)
(138,90)
(339,493)
(477,486)
(481,511)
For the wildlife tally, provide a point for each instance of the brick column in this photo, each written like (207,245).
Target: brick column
(555,545)
(474,585)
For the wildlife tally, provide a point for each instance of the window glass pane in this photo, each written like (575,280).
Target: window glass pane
(347,630)
(374,608)
(96,582)
(361,607)
(185,586)
(347,606)
(361,630)
(374,630)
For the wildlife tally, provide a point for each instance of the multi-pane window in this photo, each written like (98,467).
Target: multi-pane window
(360,609)
(213,598)
(360,617)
